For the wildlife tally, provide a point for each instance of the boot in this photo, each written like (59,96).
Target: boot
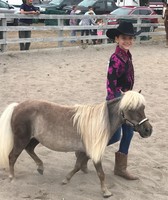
(120,168)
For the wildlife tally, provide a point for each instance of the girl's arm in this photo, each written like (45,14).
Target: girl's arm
(112,76)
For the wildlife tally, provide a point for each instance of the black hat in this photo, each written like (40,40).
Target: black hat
(125,28)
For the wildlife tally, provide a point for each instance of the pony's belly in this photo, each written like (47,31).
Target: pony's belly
(64,146)
(58,133)
(61,142)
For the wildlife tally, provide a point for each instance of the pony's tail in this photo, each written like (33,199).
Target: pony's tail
(6,135)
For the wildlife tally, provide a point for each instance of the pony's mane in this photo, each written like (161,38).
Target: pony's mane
(93,125)
(132,100)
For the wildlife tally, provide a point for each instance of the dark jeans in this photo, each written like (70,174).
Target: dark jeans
(93,32)
(24,34)
(85,32)
(127,134)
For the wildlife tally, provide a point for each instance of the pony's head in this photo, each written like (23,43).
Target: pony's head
(132,109)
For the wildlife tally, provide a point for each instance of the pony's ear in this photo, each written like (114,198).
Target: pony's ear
(140,91)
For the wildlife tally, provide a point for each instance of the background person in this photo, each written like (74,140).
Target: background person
(87,21)
(93,31)
(26,8)
(100,31)
(73,22)
(165,17)
(90,9)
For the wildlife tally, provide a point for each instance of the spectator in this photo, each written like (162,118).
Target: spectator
(87,21)
(90,9)
(165,17)
(26,8)
(100,31)
(73,22)
(93,32)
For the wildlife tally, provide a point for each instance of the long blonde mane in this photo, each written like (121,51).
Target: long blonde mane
(94,127)
(132,100)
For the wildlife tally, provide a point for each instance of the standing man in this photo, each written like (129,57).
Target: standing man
(165,17)
(90,9)
(87,21)
(73,22)
(26,8)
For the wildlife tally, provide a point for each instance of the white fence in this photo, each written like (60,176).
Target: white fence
(60,28)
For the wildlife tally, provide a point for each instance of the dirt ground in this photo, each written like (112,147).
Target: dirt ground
(78,76)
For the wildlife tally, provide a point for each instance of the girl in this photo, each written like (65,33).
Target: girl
(120,77)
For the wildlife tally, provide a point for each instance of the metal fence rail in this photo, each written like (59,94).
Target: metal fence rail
(61,27)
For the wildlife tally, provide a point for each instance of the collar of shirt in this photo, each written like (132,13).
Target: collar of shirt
(123,55)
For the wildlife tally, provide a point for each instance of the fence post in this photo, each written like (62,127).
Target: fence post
(60,32)
(139,21)
(105,41)
(3,35)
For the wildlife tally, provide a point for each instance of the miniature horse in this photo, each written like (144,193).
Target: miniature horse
(81,128)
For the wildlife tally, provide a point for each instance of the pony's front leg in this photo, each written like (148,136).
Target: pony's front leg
(81,160)
(101,175)
(70,174)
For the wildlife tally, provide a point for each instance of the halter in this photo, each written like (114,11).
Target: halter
(133,124)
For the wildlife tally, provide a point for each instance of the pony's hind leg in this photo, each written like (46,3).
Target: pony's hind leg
(101,175)
(14,154)
(30,150)
(82,158)
(18,147)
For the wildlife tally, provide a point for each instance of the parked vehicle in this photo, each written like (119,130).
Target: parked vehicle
(57,7)
(6,8)
(121,3)
(128,10)
(40,4)
(157,5)
(60,4)
(15,3)
(99,6)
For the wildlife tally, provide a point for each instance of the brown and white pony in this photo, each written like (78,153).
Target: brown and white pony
(80,128)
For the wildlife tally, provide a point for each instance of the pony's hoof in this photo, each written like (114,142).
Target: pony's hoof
(107,194)
(65,181)
(11,178)
(40,171)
